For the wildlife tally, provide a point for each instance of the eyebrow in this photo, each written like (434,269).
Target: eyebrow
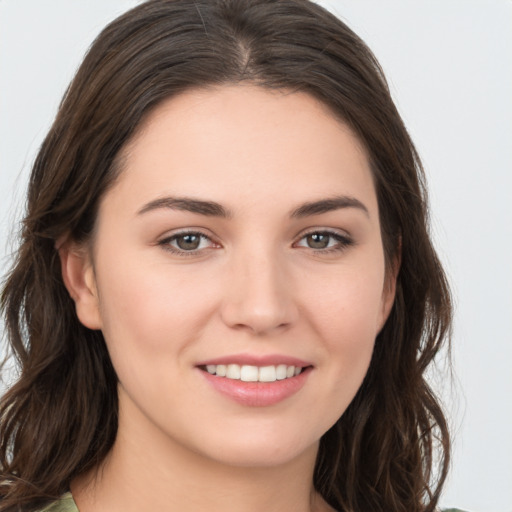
(328,205)
(208,208)
(213,209)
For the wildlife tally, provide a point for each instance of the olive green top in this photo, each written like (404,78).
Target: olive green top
(67,504)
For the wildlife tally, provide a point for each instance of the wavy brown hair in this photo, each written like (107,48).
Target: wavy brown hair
(390,449)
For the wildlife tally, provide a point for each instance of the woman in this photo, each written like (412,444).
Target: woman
(225,296)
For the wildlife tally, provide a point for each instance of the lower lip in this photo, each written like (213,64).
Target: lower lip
(258,394)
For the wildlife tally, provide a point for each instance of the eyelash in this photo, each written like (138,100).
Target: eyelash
(166,243)
(343,242)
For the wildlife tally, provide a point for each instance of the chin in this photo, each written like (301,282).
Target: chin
(262,450)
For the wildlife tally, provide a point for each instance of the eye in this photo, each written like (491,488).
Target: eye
(325,241)
(187,243)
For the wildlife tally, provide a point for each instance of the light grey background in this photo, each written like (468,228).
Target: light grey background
(449,64)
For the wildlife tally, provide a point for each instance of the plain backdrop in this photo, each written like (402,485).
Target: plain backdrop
(449,66)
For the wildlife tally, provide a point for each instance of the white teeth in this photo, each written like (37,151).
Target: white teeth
(233,371)
(281,372)
(249,373)
(267,374)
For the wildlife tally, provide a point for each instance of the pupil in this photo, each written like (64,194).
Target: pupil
(188,242)
(318,241)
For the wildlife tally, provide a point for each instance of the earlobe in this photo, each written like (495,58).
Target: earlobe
(78,276)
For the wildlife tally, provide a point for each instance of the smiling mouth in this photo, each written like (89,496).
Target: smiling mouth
(249,373)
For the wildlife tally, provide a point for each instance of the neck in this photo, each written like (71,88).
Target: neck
(156,473)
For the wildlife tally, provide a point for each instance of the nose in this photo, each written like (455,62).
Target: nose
(258,295)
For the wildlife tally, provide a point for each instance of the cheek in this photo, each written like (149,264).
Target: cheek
(345,314)
(347,305)
(148,312)
(349,334)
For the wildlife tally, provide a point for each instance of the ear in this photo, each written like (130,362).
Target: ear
(78,276)
(389,290)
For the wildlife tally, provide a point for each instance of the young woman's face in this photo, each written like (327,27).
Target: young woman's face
(242,237)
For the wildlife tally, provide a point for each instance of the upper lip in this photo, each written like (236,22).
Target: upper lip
(256,360)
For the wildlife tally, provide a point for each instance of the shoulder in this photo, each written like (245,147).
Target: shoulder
(65,504)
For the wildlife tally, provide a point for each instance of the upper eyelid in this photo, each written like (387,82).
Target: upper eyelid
(185,231)
(330,231)
(167,239)
(335,232)
(305,232)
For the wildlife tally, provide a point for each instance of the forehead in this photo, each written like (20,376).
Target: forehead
(245,138)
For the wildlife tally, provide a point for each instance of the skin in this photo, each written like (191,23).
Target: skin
(254,286)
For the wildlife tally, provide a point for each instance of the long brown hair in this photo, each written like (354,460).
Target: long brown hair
(390,449)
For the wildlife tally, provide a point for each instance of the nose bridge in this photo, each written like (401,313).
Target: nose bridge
(258,295)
